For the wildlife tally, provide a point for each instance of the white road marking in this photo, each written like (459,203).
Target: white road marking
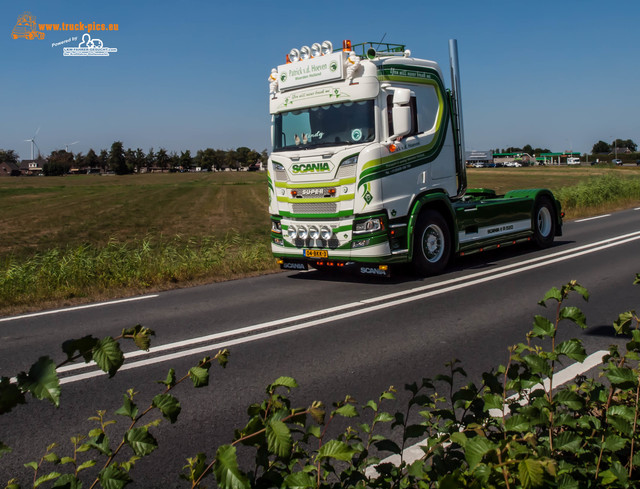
(415,452)
(77,308)
(311,319)
(592,218)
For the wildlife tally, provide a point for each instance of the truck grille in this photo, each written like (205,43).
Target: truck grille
(315,208)
(281,175)
(346,171)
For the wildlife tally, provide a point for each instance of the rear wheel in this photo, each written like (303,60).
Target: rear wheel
(431,243)
(544,223)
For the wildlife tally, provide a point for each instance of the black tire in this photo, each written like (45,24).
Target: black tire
(431,243)
(544,222)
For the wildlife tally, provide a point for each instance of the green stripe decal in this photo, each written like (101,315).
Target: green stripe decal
(343,181)
(409,159)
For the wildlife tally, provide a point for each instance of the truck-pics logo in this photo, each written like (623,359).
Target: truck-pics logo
(89,47)
(311,168)
(26,28)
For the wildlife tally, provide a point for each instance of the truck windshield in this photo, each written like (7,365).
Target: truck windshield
(327,125)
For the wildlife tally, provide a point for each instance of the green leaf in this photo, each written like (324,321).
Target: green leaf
(67,481)
(542,327)
(84,346)
(572,349)
(128,408)
(226,469)
(492,401)
(278,438)
(141,441)
(10,396)
(299,480)
(531,473)
(108,355)
(101,443)
(141,336)
(200,376)
(170,380)
(614,443)
(51,458)
(622,377)
(317,412)
(622,325)
(287,382)
(86,465)
(347,410)
(567,441)
(573,314)
(476,448)
(552,293)
(517,422)
(168,405)
(625,412)
(537,364)
(570,399)
(113,478)
(4,449)
(46,478)
(336,449)
(383,417)
(42,381)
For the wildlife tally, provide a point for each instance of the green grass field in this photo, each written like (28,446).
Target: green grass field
(81,238)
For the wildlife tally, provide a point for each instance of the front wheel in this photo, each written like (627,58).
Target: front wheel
(544,223)
(431,243)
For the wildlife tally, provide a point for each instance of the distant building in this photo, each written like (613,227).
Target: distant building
(9,169)
(484,157)
(32,167)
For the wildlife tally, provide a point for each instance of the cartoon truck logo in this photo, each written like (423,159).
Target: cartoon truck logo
(26,27)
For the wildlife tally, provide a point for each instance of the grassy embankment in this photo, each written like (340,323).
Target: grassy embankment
(83,238)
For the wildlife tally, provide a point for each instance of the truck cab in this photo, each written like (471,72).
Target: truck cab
(368,152)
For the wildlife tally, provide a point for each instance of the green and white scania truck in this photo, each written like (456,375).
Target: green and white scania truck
(368,166)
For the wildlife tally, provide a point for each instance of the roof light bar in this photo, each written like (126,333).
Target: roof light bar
(306,52)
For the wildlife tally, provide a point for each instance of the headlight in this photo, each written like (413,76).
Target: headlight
(314,232)
(303,232)
(277,166)
(326,233)
(291,232)
(276,227)
(350,161)
(369,226)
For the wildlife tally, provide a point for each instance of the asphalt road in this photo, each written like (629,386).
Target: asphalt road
(335,334)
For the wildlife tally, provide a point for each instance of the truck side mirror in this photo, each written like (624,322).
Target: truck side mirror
(401,112)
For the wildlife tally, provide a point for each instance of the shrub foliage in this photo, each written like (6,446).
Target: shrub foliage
(513,429)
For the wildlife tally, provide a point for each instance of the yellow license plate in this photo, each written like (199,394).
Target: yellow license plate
(316,253)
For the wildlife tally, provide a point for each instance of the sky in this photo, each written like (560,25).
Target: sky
(559,74)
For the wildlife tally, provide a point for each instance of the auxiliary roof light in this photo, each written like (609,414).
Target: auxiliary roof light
(327,48)
(294,55)
(346,45)
(305,52)
(316,50)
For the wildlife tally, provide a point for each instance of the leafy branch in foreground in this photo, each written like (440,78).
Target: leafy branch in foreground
(518,427)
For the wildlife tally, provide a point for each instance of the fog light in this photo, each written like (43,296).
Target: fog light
(278,241)
(303,232)
(360,244)
(314,232)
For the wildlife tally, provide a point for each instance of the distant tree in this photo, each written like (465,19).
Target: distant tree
(8,156)
(103,159)
(527,149)
(626,143)
(186,160)
(174,160)
(78,160)
(232,160)
(117,161)
(58,163)
(206,159)
(91,160)
(150,160)
(162,159)
(600,147)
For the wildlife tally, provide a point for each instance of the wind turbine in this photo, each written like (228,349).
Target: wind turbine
(66,146)
(33,143)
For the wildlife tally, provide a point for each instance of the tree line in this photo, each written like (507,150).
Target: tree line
(124,161)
